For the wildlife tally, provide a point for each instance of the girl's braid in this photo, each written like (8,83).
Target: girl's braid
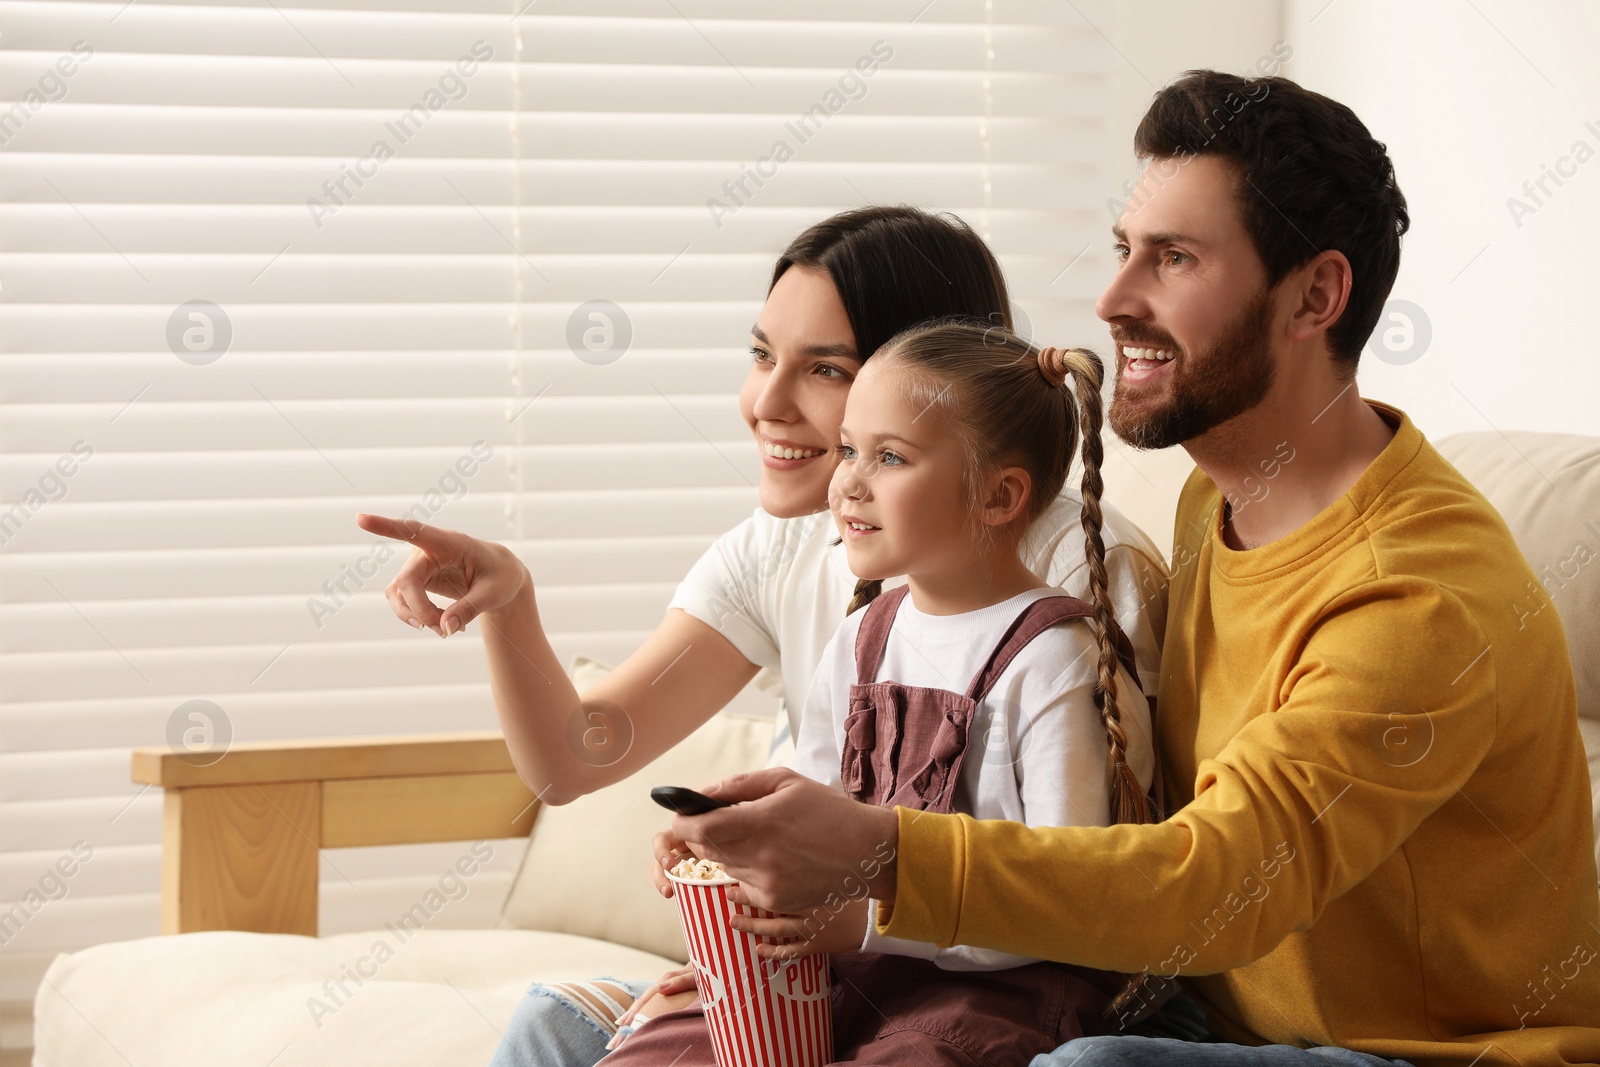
(1128,803)
(866,590)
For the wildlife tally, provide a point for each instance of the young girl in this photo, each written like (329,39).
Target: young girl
(975,687)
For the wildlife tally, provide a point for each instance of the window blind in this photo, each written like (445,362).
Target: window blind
(264,265)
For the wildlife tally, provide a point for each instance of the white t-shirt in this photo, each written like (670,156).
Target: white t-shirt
(777,589)
(1036,750)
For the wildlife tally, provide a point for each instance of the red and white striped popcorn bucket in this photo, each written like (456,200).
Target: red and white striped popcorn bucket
(762,1013)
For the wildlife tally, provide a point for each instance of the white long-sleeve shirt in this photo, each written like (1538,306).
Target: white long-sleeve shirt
(1036,752)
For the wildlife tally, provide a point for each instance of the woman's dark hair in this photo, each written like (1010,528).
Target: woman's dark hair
(1311,178)
(897,266)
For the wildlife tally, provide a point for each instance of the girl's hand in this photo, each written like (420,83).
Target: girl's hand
(668,851)
(789,937)
(671,991)
(481,575)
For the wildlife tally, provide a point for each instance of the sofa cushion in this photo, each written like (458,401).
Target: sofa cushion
(224,998)
(1547,488)
(605,837)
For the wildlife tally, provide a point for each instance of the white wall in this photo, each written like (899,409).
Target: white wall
(1473,99)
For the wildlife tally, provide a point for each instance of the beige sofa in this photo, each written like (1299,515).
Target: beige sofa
(241,840)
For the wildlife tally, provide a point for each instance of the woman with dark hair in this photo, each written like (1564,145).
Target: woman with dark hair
(770,592)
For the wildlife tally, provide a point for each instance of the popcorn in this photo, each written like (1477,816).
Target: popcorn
(698,870)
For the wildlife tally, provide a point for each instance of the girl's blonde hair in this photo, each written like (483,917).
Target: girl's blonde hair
(1010,406)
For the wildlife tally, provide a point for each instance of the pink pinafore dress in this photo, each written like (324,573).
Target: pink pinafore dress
(905,745)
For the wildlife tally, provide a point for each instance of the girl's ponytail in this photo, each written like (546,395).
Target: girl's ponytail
(1128,803)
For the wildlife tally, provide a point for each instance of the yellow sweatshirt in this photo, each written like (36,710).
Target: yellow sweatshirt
(1382,837)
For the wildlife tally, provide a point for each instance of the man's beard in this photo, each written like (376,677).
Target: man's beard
(1206,389)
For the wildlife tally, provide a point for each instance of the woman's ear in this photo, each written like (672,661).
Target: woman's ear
(1007,494)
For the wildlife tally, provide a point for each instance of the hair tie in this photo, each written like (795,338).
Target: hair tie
(1053,365)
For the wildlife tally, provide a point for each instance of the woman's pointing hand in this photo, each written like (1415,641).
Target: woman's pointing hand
(479,575)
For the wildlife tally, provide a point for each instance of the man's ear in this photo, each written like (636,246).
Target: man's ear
(1007,494)
(1318,293)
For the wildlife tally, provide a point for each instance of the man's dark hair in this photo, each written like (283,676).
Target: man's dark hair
(1311,178)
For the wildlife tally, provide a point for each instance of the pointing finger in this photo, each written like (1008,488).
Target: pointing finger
(402,529)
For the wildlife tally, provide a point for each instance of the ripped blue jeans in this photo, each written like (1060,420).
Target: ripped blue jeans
(550,1028)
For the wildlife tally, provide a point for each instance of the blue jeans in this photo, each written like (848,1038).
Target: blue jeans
(547,1030)
(1121,1050)
(1177,1037)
